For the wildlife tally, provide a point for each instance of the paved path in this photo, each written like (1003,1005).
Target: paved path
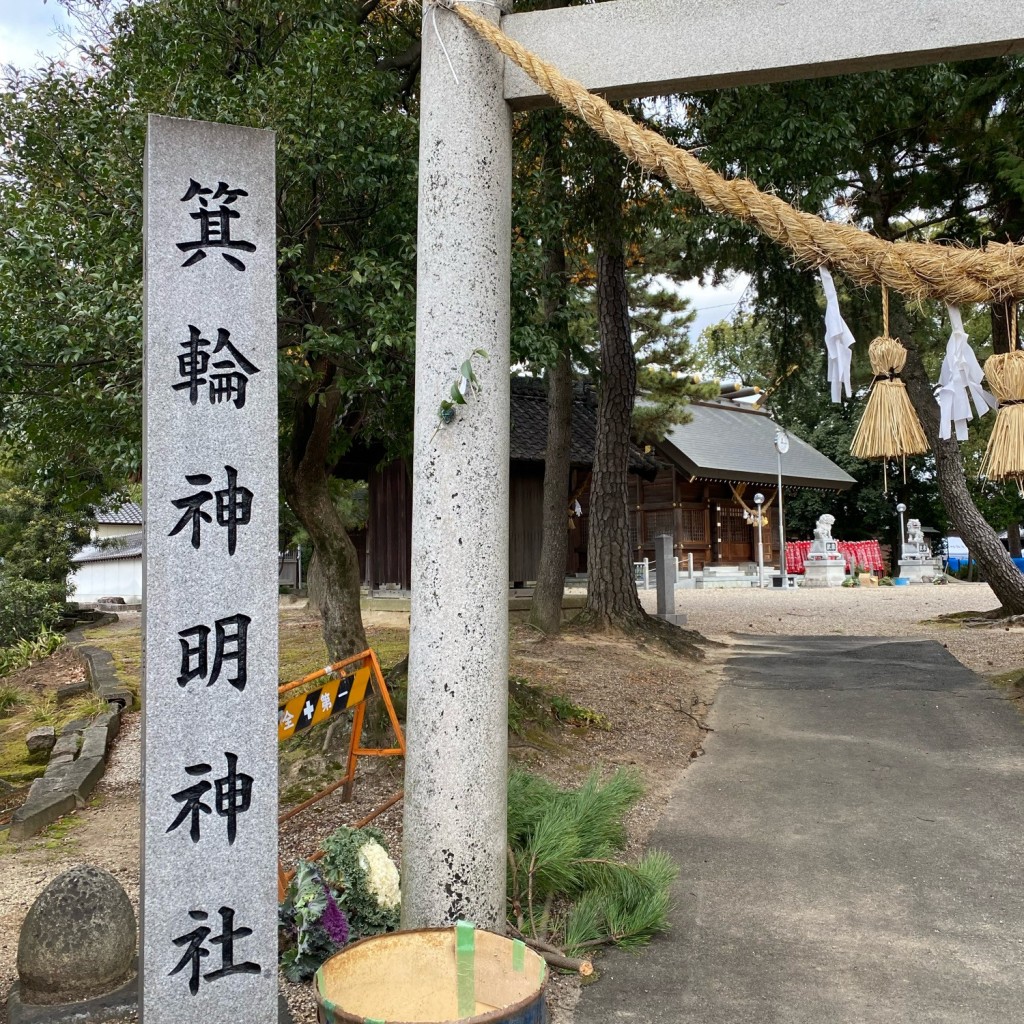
(850,848)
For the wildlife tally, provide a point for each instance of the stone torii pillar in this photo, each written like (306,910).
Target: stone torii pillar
(453,860)
(453,845)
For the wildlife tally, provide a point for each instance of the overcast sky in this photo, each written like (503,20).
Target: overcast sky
(28,28)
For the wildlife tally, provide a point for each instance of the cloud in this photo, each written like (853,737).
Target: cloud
(28,28)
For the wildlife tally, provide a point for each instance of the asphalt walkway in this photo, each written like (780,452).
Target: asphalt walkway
(850,848)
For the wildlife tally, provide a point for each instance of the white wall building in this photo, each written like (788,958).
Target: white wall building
(112,565)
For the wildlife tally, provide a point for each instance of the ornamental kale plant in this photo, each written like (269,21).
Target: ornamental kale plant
(351,893)
(314,926)
(357,866)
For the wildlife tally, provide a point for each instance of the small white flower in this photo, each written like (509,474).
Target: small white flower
(381,874)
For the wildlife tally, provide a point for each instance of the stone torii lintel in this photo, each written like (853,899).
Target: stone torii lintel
(626,49)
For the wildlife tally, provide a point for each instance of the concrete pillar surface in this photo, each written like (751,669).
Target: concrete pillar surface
(453,856)
(665,560)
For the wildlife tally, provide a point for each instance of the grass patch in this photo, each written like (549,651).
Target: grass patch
(530,705)
(47,711)
(11,698)
(391,645)
(57,835)
(300,649)
(17,765)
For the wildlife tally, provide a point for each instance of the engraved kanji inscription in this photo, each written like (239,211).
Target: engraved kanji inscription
(214,224)
(233,507)
(232,797)
(225,379)
(231,644)
(196,951)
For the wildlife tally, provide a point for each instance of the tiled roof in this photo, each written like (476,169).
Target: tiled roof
(111,550)
(529,425)
(129,514)
(725,441)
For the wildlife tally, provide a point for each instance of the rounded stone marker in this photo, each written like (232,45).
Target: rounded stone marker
(41,740)
(78,940)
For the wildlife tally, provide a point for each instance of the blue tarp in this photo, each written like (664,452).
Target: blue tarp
(956,563)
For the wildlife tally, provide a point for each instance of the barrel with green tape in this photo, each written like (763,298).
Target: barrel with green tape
(433,976)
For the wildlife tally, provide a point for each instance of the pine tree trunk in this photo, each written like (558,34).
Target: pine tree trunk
(1005,579)
(546,607)
(306,486)
(612,600)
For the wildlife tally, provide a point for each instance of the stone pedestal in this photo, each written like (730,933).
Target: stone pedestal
(824,571)
(919,570)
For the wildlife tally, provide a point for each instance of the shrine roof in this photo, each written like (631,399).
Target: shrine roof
(128,514)
(111,550)
(529,425)
(726,441)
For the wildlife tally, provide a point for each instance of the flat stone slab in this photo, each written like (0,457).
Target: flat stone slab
(849,848)
(113,1006)
(43,806)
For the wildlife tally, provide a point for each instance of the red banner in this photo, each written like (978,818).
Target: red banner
(863,553)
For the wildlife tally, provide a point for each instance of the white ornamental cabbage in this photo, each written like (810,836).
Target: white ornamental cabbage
(381,874)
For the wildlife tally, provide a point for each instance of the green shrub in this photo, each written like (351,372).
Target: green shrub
(27,607)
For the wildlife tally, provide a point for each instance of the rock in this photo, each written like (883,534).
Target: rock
(78,940)
(118,600)
(94,742)
(68,690)
(41,740)
(109,720)
(76,726)
(68,743)
(45,804)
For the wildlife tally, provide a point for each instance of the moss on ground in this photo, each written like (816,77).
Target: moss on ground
(300,649)
(390,643)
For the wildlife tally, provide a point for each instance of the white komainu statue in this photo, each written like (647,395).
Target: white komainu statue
(823,531)
(915,538)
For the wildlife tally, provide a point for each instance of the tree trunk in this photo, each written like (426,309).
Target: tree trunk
(612,600)
(306,486)
(1000,316)
(546,608)
(1005,579)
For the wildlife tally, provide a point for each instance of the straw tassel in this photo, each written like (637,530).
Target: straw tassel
(1004,457)
(889,428)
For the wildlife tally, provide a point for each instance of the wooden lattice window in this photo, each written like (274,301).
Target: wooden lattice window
(693,524)
(655,523)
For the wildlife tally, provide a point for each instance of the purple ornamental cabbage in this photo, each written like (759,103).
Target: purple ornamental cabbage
(334,921)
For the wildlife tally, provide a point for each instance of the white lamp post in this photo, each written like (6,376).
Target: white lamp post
(759,501)
(781,447)
(901,508)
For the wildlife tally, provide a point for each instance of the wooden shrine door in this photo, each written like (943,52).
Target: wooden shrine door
(737,537)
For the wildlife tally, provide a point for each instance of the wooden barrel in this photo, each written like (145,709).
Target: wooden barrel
(433,976)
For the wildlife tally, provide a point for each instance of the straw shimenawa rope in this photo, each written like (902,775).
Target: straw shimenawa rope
(918,270)
(889,428)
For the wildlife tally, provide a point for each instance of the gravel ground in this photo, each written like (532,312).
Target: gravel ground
(858,611)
